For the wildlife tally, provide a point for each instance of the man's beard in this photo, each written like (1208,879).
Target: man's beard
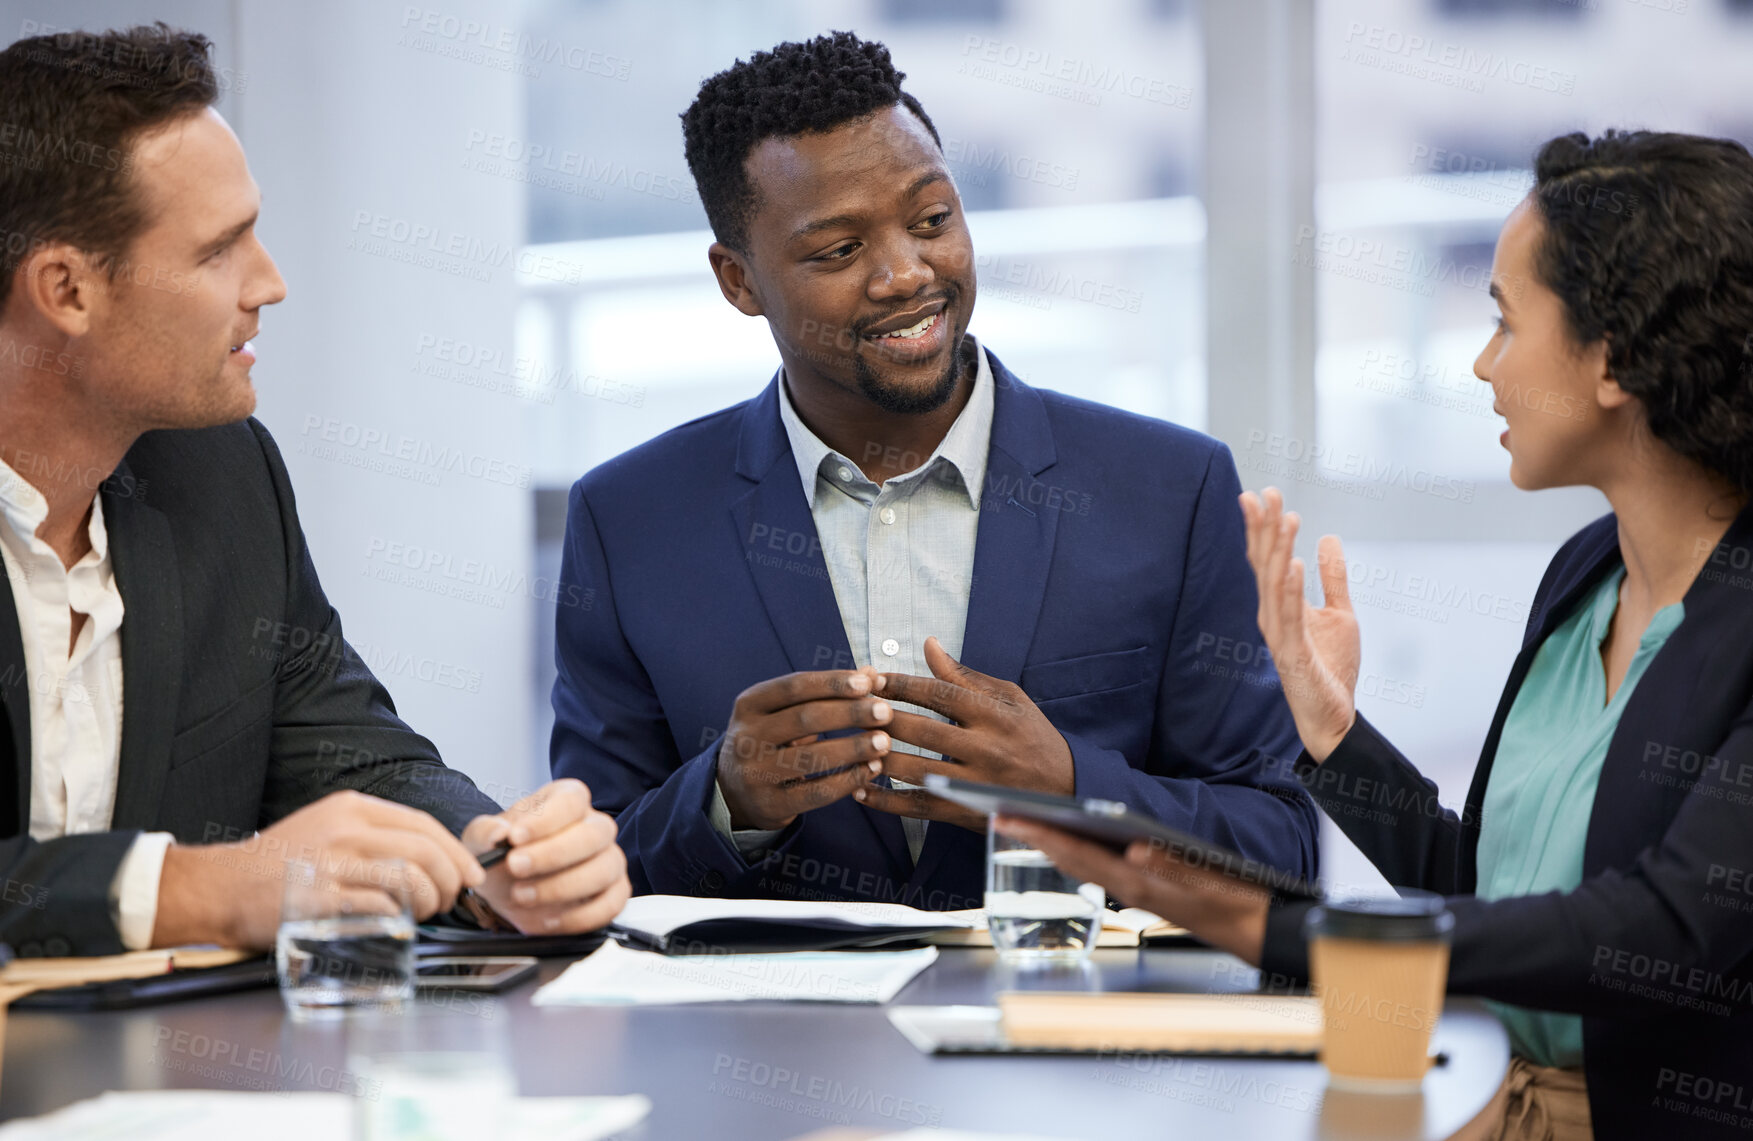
(903,402)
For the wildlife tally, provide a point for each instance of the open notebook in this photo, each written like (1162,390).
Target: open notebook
(686,925)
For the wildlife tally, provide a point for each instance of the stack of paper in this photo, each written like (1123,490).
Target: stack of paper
(200,1115)
(617,976)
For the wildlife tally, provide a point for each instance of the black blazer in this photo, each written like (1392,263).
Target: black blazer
(241,702)
(1653,948)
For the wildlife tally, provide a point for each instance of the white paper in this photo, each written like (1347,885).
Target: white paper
(959,1135)
(201,1115)
(1131,919)
(658,915)
(614,975)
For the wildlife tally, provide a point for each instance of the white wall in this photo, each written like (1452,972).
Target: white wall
(338,118)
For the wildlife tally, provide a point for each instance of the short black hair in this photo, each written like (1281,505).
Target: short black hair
(794,89)
(1648,243)
(75,104)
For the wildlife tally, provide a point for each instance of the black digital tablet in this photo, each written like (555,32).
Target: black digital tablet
(439,940)
(1115,825)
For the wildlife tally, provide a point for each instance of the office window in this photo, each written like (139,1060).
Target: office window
(1074,142)
(1429,117)
(1077,137)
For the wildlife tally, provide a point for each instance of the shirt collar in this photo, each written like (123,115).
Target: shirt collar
(23,509)
(964,446)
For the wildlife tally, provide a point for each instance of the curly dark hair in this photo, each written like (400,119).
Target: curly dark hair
(1648,243)
(75,104)
(794,89)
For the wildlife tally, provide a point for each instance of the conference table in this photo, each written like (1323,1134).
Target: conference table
(763,1071)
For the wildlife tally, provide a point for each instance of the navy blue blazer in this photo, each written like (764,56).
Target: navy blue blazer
(1653,948)
(1109,581)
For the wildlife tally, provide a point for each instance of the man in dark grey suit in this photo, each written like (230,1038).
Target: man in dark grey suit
(172,678)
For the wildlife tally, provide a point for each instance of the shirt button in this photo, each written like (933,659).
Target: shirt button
(845,474)
(891,647)
(888,515)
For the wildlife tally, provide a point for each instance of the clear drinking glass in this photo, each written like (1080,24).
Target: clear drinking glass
(346,937)
(431,1071)
(1038,915)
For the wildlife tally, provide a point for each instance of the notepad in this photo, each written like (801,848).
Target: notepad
(620,976)
(684,924)
(1084,1023)
(1175,1023)
(200,1115)
(44,973)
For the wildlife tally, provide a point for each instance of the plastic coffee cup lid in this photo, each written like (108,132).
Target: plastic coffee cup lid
(1413,917)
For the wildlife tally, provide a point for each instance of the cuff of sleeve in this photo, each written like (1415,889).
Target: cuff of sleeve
(750,842)
(134,891)
(1284,953)
(1359,738)
(1103,774)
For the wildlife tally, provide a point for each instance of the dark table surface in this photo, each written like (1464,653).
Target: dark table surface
(761,1070)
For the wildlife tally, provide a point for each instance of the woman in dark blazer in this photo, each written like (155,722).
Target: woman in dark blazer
(1601,869)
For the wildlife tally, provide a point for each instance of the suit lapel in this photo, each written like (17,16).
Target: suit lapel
(145,561)
(779,545)
(15,693)
(784,557)
(1013,553)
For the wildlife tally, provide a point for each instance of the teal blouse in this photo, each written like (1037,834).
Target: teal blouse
(1542,787)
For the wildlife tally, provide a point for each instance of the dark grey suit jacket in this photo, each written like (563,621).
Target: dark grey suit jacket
(241,701)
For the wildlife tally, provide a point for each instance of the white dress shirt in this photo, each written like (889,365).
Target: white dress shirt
(900,557)
(75,697)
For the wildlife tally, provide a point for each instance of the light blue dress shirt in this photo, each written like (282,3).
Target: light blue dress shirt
(900,556)
(1541,793)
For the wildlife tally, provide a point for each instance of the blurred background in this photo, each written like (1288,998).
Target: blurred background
(1267,219)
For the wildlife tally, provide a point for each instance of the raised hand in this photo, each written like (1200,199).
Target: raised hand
(1316,649)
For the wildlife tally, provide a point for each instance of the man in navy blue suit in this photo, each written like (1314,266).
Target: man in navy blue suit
(898,558)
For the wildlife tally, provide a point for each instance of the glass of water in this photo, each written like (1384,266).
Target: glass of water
(1038,915)
(433,1071)
(345,940)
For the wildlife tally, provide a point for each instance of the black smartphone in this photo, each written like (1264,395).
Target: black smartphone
(494,973)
